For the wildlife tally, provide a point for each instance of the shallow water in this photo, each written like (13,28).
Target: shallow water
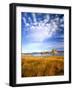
(58,54)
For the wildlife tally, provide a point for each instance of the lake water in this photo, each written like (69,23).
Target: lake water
(58,54)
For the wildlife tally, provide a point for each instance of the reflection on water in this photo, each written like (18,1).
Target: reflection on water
(58,54)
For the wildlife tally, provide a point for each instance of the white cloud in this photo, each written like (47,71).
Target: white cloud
(62,25)
(62,20)
(42,31)
(47,18)
(57,19)
(39,31)
(24,20)
(34,18)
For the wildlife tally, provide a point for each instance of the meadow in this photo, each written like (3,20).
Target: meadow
(34,66)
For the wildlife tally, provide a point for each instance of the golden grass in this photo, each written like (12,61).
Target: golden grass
(42,65)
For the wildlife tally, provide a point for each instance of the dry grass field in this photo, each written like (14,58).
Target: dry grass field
(33,66)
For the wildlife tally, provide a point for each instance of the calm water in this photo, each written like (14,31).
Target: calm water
(58,54)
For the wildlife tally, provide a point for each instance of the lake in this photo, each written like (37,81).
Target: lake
(58,54)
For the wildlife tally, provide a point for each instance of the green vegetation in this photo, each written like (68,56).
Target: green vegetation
(54,51)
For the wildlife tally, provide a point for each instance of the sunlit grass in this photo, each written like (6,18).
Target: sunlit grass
(42,65)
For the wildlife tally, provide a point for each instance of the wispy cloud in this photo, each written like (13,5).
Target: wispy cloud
(43,29)
(39,31)
(34,18)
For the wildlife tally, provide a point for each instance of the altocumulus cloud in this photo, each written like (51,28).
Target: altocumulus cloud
(40,27)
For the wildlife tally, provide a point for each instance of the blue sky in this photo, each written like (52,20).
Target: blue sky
(42,32)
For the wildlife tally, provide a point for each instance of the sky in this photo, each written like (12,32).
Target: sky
(41,32)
